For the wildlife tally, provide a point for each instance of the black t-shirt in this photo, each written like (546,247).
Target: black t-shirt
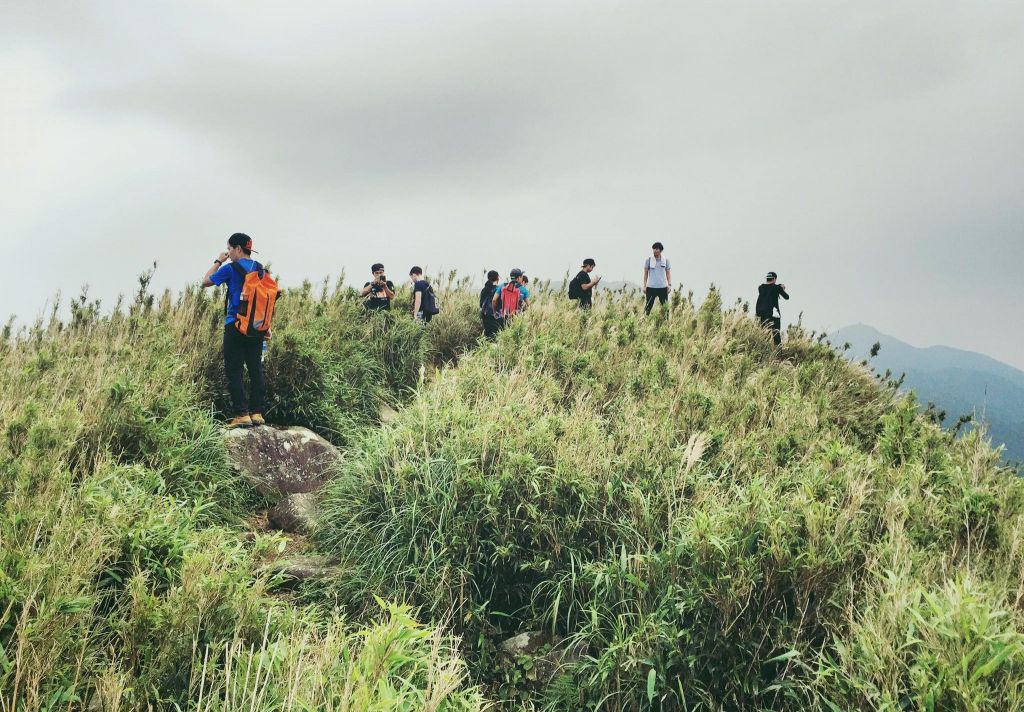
(768,299)
(585,294)
(377,299)
(427,303)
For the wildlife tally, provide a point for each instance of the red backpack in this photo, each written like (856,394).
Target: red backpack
(508,301)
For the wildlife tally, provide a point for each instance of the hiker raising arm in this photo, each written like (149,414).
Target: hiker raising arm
(767,307)
(381,291)
(242,351)
(217,262)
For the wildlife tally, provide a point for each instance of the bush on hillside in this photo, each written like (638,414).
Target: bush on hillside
(126,580)
(706,520)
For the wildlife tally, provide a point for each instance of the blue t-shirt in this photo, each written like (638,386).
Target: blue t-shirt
(229,274)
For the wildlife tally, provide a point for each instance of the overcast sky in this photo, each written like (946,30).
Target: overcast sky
(871,152)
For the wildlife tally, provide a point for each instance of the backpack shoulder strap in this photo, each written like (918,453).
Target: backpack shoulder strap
(239,269)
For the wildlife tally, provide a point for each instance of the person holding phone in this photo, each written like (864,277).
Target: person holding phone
(380,291)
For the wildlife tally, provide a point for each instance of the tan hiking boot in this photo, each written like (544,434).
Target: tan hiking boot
(242,421)
(257,419)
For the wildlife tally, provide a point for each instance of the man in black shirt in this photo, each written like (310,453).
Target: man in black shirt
(581,285)
(767,308)
(381,291)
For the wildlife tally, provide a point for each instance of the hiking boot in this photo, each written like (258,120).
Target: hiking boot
(241,421)
(257,419)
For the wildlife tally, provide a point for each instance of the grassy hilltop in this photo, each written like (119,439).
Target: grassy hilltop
(706,524)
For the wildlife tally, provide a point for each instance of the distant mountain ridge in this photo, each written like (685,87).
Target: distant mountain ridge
(956,380)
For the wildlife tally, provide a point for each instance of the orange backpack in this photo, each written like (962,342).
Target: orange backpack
(256,304)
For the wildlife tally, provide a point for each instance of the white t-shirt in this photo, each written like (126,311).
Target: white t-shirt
(656,268)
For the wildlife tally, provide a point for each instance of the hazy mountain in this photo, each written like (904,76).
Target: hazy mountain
(956,381)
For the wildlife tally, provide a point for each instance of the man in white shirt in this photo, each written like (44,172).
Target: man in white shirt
(657,277)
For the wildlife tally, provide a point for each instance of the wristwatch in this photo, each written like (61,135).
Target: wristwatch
(217,262)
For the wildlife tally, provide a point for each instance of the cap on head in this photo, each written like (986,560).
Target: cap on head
(771,276)
(376,266)
(240,239)
(516,272)
(415,270)
(657,246)
(589,262)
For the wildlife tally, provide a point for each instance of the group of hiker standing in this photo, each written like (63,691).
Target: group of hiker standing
(657,285)
(252,295)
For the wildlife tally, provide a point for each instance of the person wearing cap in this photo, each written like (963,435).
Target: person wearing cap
(581,287)
(657,277)
(505,310)
(767,308)
(381,290)
(240,352)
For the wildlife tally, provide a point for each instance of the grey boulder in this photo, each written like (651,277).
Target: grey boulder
(281,461)
(296,513)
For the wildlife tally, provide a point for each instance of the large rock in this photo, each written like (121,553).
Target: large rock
(281,461)
(296,513)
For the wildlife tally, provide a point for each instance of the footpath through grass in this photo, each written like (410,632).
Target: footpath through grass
(127,578)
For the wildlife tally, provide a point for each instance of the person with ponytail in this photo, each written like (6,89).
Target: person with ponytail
(491,322)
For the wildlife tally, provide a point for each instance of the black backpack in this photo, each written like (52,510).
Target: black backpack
(429,301)
(575,288)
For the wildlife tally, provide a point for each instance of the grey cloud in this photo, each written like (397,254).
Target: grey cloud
(865,150)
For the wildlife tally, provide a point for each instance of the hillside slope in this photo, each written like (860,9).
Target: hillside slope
(959,382)
(712,526)
(131,577)
(690,519)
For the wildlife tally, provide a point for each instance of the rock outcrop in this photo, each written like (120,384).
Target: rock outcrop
(281,461)
(288,466)
(295,514)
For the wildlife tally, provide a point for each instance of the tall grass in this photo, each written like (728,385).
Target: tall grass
(127,577)
(719,525)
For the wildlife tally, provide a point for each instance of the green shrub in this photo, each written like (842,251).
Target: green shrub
(127,580)
(698,515)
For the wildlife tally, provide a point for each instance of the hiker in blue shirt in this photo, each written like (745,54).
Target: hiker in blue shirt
(240,351)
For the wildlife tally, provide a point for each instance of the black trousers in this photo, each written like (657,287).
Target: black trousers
(492,325)
(244,352)
(659,293)
(775,324)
